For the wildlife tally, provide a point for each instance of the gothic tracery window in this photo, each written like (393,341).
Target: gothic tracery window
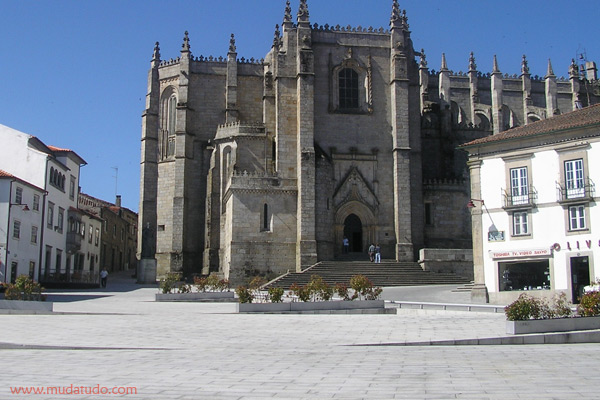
(348,88)
(168,123)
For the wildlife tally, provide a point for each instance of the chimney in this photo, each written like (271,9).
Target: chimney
(118,201)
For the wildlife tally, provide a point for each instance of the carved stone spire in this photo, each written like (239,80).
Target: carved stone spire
(185,47)
(303,12)
(422,61)
(287,16)
(524,66)
(156,54)
(495,69)
(573,70)
(395,19)
(550,72)
(472,65)
(444,66)
(232,48)
(404,20)
(276,37)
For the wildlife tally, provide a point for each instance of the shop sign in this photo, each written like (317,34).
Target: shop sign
(520,253)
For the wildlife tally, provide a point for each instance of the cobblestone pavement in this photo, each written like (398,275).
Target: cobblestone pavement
(118,337)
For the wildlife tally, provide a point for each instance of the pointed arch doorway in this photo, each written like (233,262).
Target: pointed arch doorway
(353,230)
(356,221)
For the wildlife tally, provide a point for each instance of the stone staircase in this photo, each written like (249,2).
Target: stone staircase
(386,273)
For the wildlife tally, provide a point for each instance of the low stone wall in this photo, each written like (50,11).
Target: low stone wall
(6,306)
(456,261)
(552,325)
(310,306)
(195,296)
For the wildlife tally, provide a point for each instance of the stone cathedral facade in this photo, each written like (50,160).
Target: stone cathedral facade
(264,166)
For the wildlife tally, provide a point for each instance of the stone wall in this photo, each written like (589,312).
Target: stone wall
(456,261)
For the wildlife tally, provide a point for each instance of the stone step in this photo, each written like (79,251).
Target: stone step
(386,273)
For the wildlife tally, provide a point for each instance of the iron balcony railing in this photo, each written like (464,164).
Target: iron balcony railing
(583,190)
(525,199)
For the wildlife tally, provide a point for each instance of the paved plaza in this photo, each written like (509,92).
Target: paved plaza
(119,337)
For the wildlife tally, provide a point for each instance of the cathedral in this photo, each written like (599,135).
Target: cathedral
(264,166)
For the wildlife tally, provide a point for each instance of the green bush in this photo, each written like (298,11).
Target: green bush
(589,305)
(342,290)
(561,307)
(302,292)
(169,282)
(24,288)
(211,283)
(276,294)
(318,289)
(244,294)
(184,288)
(527,307)
(363,288)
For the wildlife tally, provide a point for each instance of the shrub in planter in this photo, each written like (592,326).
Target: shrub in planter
(184,288)
(527,307)
(363,288)
(244,294)
(302,292)
(276,294)
(342,290)
(318,289)
(24,288)
(561,307)
(589,305)
(169,282)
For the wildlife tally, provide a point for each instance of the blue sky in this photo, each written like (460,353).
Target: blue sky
(74,72)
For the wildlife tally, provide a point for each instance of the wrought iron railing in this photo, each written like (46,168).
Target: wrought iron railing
(572,192)
(527,199)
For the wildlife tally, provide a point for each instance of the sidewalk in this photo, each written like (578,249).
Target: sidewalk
(119,336)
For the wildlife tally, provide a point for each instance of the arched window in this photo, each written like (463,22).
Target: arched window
(266,219)
(168,123)
(348,89)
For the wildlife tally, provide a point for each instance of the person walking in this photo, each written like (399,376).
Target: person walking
(103,277)
(372,252)
(346,244)
(377,253)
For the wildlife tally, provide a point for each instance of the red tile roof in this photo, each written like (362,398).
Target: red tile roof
(58,149)
(4,174)
(575,119)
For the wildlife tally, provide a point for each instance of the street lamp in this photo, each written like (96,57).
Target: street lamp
(470,204)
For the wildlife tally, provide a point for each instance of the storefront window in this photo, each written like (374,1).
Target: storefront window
(524,275)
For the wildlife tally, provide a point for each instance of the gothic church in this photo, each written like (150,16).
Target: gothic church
(264,166)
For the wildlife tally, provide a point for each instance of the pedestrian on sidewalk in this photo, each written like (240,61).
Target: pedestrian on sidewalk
(372,252)
(377,253)
(103,277)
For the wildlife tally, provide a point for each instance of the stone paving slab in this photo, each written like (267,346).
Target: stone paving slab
(207,351)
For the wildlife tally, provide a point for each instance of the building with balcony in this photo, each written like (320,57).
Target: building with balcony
(21,218)
(55,171)
(535,220)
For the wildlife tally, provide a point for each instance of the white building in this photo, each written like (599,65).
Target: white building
(20,227)
(56,171)
(536,224)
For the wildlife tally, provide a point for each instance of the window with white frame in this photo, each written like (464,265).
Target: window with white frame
(19,195)
(577,218)
(574,180)
(34,234)
(519,187)
(16,229)
(61,217)
(520,223)
(50,219)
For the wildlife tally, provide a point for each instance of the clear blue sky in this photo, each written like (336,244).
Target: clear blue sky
(74,72)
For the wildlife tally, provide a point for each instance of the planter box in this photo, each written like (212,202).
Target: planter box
(196,296)
(21,305)
(310,306)
(552,325)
